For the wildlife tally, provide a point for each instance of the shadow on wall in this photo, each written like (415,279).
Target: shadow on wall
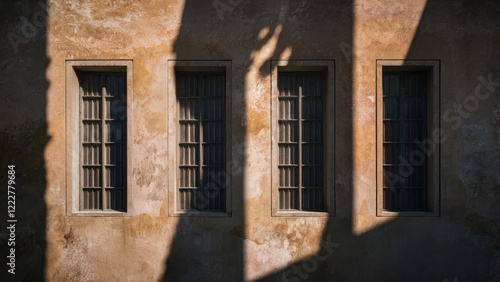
(23,137)
(461,244)
(212,249)
(403,249)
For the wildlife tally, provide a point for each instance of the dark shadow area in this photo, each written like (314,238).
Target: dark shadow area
(203,247)
(23,136)
(469,56)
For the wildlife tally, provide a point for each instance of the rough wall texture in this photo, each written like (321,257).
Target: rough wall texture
(462,243)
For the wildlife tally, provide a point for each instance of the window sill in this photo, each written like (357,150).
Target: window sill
(407,214)
(301,214)
(199,214)
(99,214)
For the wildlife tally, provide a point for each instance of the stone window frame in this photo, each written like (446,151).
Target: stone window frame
(173,133)
(432,68)
(327,66)
(72,117)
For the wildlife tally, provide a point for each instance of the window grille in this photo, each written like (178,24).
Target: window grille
(103,154)
(301,145)
(201,114)
(404,124)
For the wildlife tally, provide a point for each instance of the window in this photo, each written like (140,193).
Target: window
(408,119)
(303,126)
(98,133)
(202,142)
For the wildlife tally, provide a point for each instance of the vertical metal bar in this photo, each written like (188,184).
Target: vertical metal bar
(413,201)
(81,139)
(223,140)
(300,86)
(425,180)
(401,130)
(325,139)
(123,161)
(180,112)
(201,111)
(103,140)
(400,84)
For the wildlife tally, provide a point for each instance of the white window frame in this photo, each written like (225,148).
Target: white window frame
(173,133)
(72,114)
(328,66)
(432,67)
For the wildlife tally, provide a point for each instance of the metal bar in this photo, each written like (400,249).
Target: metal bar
(103,139)
(424,135)
(299,184)
(201,108)
(81,197)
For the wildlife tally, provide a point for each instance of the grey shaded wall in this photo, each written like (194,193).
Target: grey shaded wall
(24,134)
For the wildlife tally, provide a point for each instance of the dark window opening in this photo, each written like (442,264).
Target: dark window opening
(404,126)
(300,144)
(202,174)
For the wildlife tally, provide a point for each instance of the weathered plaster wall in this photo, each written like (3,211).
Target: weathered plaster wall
(148,245)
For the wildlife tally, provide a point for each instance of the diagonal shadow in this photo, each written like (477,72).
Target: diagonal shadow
(23,135)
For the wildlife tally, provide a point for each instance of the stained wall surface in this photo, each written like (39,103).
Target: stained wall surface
(353,244)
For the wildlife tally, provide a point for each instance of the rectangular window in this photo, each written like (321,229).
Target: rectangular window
(300,124)
(408,150)
(103,127)
(303,125)
(98,133)
(201,140)
(404,124)
(199,120)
